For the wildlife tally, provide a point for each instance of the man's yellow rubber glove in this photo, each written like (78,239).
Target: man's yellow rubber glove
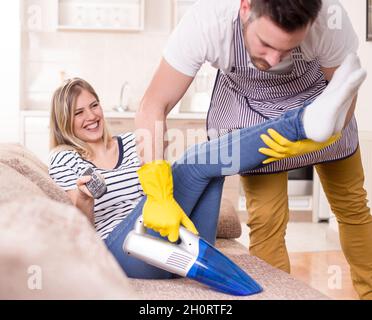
(161,212)
(281,148)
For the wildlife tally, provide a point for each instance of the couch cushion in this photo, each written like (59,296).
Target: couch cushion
(229,226)
(27,164)
(49,245)
(277,285)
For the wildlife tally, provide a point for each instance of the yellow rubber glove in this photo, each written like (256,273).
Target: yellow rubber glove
(161,212)
(281,148)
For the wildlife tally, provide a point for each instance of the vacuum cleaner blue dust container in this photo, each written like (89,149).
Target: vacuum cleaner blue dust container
(193,258)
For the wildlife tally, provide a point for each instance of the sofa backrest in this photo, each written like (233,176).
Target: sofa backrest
(31,168)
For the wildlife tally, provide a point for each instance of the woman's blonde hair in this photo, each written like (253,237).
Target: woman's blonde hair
(62,135)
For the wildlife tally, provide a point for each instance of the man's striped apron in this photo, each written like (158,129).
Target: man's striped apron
(246,97)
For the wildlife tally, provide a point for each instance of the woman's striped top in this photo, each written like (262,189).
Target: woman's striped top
(123,187)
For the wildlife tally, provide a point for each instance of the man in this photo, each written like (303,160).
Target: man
(272,56)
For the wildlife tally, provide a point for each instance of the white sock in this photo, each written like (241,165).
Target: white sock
(350,64)
(340,123)
(331,106)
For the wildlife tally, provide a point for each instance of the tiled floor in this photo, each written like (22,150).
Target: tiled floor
(326,271)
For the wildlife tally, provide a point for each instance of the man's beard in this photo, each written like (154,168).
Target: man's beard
(259,63)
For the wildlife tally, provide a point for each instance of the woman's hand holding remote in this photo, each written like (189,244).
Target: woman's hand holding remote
(81,184)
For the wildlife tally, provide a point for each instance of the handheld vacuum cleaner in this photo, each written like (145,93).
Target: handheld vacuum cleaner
(193,258)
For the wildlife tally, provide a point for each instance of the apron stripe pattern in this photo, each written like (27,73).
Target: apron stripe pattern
(247,97)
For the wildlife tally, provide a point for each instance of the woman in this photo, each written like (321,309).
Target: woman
(80,140)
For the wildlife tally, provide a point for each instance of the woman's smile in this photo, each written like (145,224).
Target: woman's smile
(93,127)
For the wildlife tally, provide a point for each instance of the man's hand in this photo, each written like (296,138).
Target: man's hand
(166,217)
(281,148)
(161,212)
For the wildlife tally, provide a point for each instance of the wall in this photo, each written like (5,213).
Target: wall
(10,72)
(106,59)
(357,13)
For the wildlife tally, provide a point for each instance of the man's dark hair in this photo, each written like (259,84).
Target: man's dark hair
(289,15)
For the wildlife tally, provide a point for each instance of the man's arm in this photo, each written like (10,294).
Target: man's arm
(328,74)
(161,212)
(166,88)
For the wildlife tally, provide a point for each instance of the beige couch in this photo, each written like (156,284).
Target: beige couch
(48,249)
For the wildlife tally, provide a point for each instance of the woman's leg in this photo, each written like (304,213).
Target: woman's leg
(231,154)
(206,212)
(203,180)
(238,151)
(133,267)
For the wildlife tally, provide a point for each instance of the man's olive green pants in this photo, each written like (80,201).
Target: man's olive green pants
(342,181)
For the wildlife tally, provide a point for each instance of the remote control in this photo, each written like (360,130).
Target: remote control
(96,186)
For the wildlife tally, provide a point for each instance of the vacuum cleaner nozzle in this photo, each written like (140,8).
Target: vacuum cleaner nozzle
(193,258)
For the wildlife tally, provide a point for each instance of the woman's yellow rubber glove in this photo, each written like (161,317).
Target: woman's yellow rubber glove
(281,148)
(161,212)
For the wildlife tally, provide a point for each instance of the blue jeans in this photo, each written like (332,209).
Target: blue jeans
(198,179)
